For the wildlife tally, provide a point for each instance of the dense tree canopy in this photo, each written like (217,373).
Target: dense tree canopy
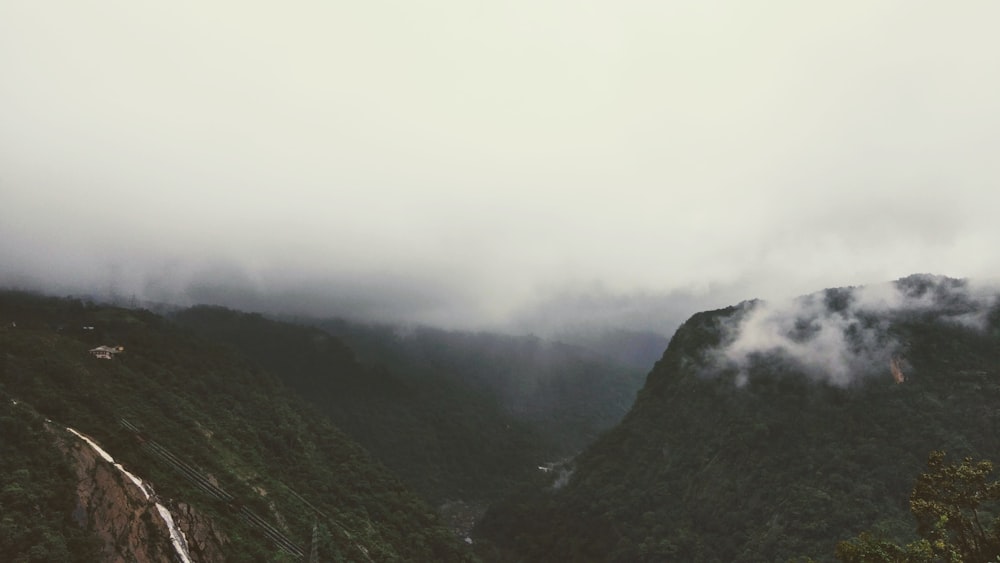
(955,505)
(773,463)
(215,410)
(458,415)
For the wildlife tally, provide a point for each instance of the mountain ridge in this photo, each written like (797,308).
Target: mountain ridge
(462,416)
(234,424)
(736,453)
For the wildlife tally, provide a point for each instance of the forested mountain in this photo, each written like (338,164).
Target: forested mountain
(460,416)
(446,439)
(766,431)
(248,470)
(569,393)
(772,431)
(638,349)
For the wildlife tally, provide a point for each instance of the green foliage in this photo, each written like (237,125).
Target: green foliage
(870,549)
(457,415)
(702,469)
(947,502)
(570,394)
(36,494)
(950,503)
(215,410)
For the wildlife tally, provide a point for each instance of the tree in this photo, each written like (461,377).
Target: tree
(949,502)
(868,548)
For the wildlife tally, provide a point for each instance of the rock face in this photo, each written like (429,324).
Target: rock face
(204,539)
(117,511)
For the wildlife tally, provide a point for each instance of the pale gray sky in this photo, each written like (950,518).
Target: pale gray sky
(470,163)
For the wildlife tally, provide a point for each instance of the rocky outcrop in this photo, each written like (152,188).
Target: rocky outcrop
(123,513)
(204,539)
(115,511)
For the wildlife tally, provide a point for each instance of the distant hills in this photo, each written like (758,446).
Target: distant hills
(771,431)
(460,415)
(766,431)
(269,437)
(225,424)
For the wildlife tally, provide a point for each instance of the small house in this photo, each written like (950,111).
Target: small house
(107,352)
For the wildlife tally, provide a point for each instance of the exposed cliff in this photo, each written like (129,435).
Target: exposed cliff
(130,521)
(115,511)
(206,541)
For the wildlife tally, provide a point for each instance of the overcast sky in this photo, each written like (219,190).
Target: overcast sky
(471,163)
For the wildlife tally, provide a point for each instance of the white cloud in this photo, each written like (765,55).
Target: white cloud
(841,335)
(498,153)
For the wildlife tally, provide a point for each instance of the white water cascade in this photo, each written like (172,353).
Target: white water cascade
(177,539)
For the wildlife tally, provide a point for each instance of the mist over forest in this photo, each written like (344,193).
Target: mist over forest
(518,167)
(520,281)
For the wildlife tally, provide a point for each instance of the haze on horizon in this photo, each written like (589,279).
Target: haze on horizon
(518,164)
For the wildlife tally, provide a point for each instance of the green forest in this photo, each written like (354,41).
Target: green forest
(459,416)
(215,409)
(780,467)
(353,440)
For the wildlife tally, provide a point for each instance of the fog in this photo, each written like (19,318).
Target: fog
(519,165)
(840,336)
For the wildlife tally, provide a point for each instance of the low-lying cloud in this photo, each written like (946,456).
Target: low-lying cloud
(471,165)
(840,335)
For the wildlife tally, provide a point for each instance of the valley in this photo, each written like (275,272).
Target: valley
(767,431)
(499,282)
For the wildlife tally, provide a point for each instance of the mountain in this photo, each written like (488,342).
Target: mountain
(174,448)
(638,349)
(770,431)
(460,416)
(568,393)
(445,439)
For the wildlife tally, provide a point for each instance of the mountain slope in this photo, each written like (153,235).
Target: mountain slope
(768,432)
(213,434)
(446,439)
(460,416)
(569,393)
